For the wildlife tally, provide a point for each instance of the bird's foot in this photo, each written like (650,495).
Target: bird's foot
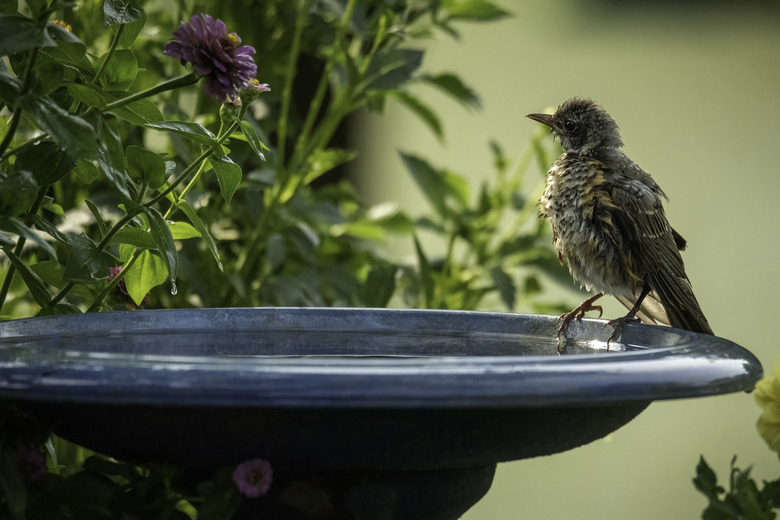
(618,325)
(579,313)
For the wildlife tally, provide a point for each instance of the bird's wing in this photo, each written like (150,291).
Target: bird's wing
(654,250)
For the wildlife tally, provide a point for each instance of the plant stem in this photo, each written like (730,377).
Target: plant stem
(284,116)
(17,115)
(113,283)
(109,54)
(180,81)
(131,213)
(19,246)
(322,87)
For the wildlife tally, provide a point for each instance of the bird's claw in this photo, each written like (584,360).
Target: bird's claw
(618,325)
(578,314)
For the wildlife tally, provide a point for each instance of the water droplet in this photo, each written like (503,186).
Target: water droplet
(174,289)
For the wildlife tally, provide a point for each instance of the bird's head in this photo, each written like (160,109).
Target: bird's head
(582,126)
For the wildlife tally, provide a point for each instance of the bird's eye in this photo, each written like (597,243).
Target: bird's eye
(570,125)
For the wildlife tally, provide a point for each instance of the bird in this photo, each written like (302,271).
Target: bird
(609,225)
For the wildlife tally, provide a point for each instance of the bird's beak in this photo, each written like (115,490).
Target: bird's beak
(545,119)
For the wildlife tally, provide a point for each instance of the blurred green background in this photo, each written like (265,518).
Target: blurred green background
(694,87)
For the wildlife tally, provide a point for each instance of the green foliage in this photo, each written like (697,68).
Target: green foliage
(743,500)
(123,186)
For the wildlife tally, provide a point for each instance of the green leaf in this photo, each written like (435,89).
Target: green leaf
(131,31)
(36,286)
(251,137)
(139,112)
(47,161)
(211,244)
(505,285)
(47,75)
(426,274)
(422,111)
(86,265)
(50,229)
(71,132)
(18,191)
(98,218)
(72,55)
(474,10)
(324,161)
(134,236)
(120,12)
(86,171)
(111,156)
(428,179)
(192,131)
(19,34)
(165,244)
(276,251)
(147,272)
(391,68)
(228,175)
(89,94)
(145,167)
(14,225)
(121,70)
(183,231)
(379,286)
(452,85)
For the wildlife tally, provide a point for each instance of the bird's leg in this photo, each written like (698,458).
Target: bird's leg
(579,313)
(619,323)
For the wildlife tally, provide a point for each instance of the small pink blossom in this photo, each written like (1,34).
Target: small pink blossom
(253,477)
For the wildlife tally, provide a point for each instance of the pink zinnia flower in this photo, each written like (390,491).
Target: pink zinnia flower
(253,477)
(216,54)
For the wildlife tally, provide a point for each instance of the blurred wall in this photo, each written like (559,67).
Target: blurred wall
(695,90)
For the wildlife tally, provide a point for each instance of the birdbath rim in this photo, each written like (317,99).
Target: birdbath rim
(290,357)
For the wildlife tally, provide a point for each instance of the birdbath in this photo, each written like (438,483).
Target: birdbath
(398,414)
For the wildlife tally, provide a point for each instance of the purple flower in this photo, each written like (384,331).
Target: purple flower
(216,54)
(32,463)
(253,477)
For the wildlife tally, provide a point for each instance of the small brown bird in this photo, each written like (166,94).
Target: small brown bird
(609,224)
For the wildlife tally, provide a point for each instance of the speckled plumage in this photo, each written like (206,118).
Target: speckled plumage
(609,223)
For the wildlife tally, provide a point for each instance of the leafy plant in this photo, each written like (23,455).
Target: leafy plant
(743,500)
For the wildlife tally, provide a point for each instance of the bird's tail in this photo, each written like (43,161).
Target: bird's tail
(682,308)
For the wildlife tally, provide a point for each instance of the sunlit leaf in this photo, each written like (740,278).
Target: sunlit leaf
(147,272)
(474,10)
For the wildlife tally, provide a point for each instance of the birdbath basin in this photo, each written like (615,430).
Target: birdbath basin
(404,413)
